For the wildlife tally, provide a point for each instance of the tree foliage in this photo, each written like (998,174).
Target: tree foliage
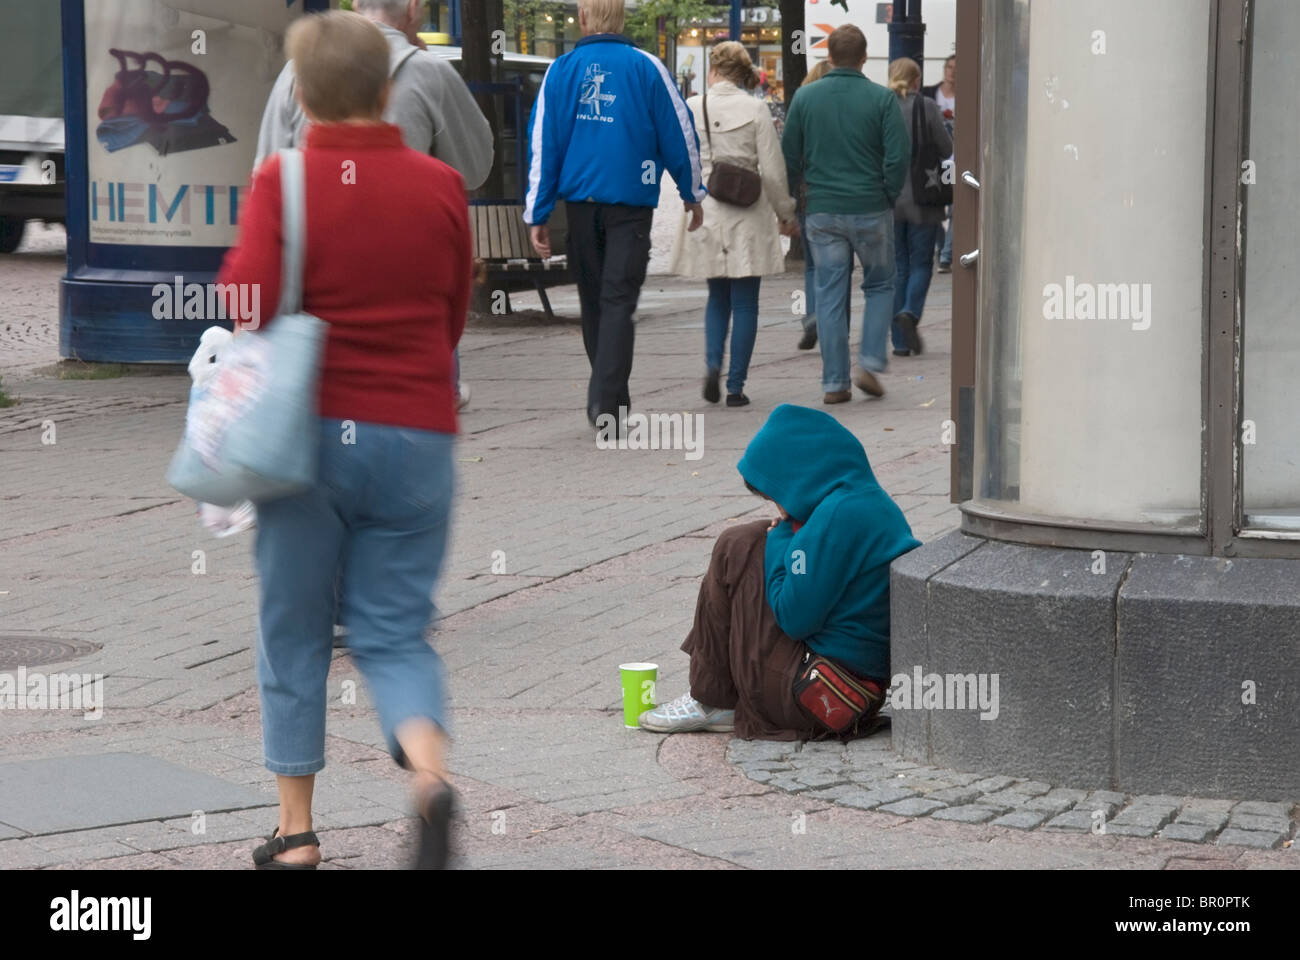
(526,13)
(643,19)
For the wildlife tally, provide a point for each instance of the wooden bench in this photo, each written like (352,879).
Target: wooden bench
(502,244)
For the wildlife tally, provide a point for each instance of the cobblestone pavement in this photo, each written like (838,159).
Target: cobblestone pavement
(867,775)
(603,551)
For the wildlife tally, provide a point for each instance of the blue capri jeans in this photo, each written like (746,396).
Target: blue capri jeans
(376,526)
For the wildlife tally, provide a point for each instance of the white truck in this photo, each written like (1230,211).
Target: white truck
(32,177)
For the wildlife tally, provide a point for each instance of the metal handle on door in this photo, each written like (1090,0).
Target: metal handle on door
(969,179)
(968,259)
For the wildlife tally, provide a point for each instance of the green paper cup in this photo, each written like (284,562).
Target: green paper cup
(638,690)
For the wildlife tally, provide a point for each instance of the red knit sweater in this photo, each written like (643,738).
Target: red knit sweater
(388,266)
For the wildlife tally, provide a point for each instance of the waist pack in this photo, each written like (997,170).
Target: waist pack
(835,698)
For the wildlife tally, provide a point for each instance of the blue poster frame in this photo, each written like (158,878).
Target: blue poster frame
(105,298)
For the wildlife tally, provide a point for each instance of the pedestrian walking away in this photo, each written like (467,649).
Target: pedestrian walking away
(375,524)
(812,582)
(915,224)
(808,339)
(608,123)
(945,95)
(845,137)
(429,102)
(737,245)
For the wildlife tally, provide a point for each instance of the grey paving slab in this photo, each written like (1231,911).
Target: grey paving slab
(1077,820)
(1261,808)
(870,799)
(1250,838)
(956,795)
(913,807)
(967,813)
(1149,815)
(1267,824)
(1187,832)
(821,778)
(1049,804)
(1023,819)
(1130,829)
(75,793)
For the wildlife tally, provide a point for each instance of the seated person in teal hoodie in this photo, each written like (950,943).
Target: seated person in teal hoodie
(816,578)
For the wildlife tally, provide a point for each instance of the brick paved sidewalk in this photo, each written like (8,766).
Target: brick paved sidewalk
(603,551)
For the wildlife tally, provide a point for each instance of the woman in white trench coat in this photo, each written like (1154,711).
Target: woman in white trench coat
(737,246)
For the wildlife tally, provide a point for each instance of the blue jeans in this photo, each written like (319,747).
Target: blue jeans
(810,279)
(378,517)
(835,238)
(730,296)
(914,246)
(945,238)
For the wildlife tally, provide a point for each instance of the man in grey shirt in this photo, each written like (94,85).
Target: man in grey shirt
(428,100)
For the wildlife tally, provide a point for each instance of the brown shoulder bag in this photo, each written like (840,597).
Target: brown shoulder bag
(729,182)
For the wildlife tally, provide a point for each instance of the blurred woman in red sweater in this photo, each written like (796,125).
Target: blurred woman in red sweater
(388,267)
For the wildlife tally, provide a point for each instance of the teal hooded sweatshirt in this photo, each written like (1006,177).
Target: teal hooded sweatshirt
(827,567)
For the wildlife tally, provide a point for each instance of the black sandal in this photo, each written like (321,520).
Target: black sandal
(435,828)
(264,856)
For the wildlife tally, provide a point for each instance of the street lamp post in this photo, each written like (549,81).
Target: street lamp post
(907,32)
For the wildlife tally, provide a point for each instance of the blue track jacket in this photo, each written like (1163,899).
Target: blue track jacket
(607,123)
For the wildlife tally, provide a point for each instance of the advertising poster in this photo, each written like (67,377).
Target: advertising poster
(175,93)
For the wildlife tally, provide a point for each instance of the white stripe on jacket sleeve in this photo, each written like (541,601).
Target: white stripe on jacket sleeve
(687,125)
(539,127)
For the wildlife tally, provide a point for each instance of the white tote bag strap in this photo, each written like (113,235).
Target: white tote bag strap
(294,230)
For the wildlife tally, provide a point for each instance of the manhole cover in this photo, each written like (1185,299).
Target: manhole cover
(32,651)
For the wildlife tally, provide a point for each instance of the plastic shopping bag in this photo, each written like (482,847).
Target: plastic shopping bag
(250,432)
(251,428)
(219,521)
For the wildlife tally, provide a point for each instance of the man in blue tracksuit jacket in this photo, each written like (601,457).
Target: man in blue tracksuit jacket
(607,124)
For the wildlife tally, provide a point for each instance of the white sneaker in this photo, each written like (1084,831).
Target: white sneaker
(462,396)
(686,714)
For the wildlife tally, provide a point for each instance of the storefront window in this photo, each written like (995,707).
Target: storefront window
(551,34)
(1091,260)
(1270,442)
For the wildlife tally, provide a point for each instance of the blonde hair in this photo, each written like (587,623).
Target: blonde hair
(340,65)
(731,60)
(903,73)
(604,16)
(819,70)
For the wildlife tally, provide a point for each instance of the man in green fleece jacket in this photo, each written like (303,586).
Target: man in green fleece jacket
(845,137)
(816,578)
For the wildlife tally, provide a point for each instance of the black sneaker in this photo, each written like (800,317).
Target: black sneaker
(902,353)
(945,267)
(737,400)
(809,339)
(911,337)
(712,392)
